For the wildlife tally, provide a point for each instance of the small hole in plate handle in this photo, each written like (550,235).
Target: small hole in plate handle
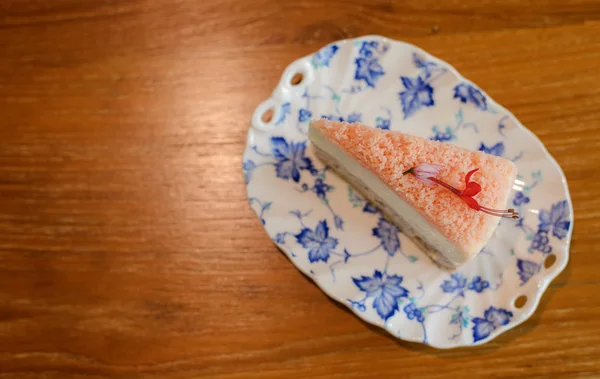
(549,261)
(520,301)
(297,79)
(267,116)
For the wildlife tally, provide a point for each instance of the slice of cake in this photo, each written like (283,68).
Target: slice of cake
(446,198)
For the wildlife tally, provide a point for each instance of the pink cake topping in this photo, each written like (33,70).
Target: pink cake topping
(389,154)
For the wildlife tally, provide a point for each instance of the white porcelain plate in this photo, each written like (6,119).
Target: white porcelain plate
(358,258)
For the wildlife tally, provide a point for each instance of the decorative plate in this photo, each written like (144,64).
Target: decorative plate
(342,242)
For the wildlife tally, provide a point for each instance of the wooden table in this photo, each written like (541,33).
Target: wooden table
(127,247)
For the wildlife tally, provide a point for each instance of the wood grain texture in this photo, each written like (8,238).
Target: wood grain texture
(127,248)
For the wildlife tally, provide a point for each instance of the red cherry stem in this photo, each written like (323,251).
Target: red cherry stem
(445,185)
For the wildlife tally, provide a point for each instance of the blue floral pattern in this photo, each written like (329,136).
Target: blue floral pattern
(417,93)
(385,291)
(291,158)
(353,117)
(497,149)
(492,319)
(248,167)
(358,202)
(478,284)
(414,313)
(332,117)
(461,316)
(520,199)
(368,70)
(345,242)
(451,131)
(428,68)
(458,284)
(388,235)
(321,188)
(323,56)
(383,123)
(556,220)
(502,125)
(283,112)
(442,135)
(468,94)
(527,269)
(304,115)
(369,208)
(541,242)
(354,197)
(317,242)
